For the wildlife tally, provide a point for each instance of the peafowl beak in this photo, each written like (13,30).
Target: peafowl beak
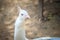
(27,17)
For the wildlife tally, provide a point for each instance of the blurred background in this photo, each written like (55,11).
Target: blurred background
(44,22)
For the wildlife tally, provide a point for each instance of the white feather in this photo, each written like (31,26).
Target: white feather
(19,31)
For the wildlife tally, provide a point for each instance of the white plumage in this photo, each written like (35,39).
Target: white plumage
(19,32)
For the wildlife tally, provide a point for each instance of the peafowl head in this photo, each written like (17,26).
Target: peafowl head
(23,14)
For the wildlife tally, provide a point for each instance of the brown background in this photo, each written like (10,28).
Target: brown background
(35,27)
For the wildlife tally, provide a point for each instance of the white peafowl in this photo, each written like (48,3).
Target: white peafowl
(19,32)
